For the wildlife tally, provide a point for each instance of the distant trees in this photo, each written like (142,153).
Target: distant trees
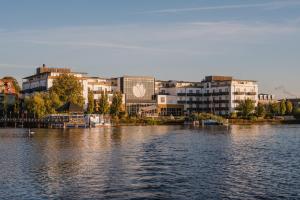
(274,109)
(296,113)
(289,107)
(69,89)
(260,110)
(91,102)
(103,104)
(246,107)
(35,105)
(66,88)
(282,107)
(116,106)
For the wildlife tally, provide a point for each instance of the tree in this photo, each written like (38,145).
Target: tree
(260,110)
(246,107)
(52,102)
(274,108)
(103,104)
(35,105)
(68,88)
(116,106)
(289,107)
(91,103)
(296,113)
(282,107)
(15,83)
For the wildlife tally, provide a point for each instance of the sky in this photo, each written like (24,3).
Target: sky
(169,39)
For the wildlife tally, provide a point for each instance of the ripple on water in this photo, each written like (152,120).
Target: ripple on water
(161,162)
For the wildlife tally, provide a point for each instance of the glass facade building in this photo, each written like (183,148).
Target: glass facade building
(139,93)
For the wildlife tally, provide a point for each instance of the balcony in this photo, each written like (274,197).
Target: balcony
(216,94)
(239,93)
(251,93)
(237,101)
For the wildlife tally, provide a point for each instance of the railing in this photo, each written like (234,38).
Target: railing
(239,93)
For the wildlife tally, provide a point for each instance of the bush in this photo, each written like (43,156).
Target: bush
(252,118)
(151,121)
(297,113)
(233,115)
(206,116)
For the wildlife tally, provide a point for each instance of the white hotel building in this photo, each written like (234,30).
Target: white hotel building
(44,77)
(215,94)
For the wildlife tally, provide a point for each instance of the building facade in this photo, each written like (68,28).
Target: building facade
(266,98)
(43,79)
(215,94)
(139,94)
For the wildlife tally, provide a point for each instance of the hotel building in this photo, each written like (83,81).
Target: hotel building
(139,94)
(142,94)
(215,94)
(43,79)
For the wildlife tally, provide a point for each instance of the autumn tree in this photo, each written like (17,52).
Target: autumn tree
(289,107)
(68,88)
(260,110)
(91,102)
(274,108)
(282,107)
(35,105)
(246,107)
(116,106)
(103,104)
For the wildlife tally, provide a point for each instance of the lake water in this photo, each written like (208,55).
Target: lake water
(151,162)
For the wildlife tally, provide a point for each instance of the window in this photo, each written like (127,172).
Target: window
(163,100)
(190,91)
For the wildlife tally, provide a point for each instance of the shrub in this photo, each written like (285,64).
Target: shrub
(297,113)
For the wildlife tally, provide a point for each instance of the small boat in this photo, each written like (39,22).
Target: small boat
(210,122)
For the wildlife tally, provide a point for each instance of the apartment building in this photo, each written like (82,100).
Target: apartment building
(215,94)
(43,79)
(266,98)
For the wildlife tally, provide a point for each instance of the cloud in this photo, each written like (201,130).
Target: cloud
(189,38)
(87,44)
(270,5)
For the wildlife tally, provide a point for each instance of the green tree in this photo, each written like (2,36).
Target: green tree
(274,108)
(51,101)
(296,113)
(91,102)
(35,105)
(289,107)
(282,108)
(246,107)
(68,88)
(116,106)
(103,104)
(260,110)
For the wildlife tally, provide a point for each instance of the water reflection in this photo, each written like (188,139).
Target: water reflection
(155,162)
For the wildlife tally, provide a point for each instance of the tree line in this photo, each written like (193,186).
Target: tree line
(65,89)
(246,109)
